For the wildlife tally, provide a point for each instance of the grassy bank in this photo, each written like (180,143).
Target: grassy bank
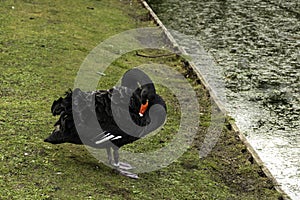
(42,45)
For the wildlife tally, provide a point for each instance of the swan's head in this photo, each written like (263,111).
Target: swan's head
(147,98)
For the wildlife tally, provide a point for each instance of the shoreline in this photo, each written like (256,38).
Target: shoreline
(217,101)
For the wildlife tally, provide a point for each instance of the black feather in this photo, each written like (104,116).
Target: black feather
(114,111)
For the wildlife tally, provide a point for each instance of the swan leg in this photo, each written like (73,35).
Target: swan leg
(123,167)
(109,157)
(116,157)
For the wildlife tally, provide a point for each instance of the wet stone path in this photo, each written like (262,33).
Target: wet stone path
(256,47)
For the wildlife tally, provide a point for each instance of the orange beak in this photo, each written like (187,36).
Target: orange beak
(143,109)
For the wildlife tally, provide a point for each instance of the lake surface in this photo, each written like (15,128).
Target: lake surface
(255,46)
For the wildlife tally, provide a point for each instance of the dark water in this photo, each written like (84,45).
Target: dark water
(255,46)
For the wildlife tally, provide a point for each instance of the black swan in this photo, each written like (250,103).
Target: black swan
(110,118)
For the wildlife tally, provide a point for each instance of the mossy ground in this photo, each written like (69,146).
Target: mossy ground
(42,45)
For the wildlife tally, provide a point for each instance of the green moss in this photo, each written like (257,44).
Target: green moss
(42,45)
